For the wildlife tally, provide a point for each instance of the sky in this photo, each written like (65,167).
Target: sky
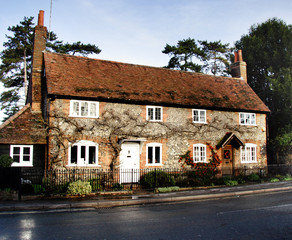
(136,31)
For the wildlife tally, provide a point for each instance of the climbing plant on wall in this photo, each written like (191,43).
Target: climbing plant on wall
(203,171)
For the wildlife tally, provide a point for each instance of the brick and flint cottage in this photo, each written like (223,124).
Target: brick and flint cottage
(91,113)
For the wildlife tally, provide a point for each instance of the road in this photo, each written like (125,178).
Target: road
(250,217)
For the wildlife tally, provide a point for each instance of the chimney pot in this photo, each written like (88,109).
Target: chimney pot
(235,57)
(238,68)
(41,18)
(240,55)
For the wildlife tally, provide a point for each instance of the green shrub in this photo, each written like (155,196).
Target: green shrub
(274,180)
(288,177)
(79,188)
(38,188)
(158,178)
(280,177)
(5,160)
(51,187)
(7,194)
(240,179)
(254,177)
(231,183)
(168,189)
(96,184)
(117,187)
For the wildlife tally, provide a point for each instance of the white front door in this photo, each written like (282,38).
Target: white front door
(129,163)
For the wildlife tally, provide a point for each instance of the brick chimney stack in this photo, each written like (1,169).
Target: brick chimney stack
(39,45)
(238,68)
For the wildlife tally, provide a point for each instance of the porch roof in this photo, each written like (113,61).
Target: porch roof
(229,138)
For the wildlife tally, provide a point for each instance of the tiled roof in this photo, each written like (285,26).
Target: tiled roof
(92,78)
(24,127)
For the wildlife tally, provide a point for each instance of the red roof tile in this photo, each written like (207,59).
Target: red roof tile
(24,127)
(86,77)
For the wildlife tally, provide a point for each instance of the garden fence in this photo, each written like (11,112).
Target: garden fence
(34,181)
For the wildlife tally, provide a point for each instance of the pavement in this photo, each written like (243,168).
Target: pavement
(128,199)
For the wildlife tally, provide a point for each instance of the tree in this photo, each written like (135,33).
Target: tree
(267,50)
(182,54)
(217,57)
(210,57)
(16,61)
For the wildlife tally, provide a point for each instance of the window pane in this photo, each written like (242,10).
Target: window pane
(196,116)
(150,114)
(26,158)
(73,155)
(16,150)
(16,158)
(26,150)
(196,154)
(202,153)
(157,113)
(83,154)
(157,154)
(202,116)
(248,154)
(93,109)
(242,120)
(247,120)
(75,109)
(150,155)
(84,108)
(253,154)
(91,159)
(253,119)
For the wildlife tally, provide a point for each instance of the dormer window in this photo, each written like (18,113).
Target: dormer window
(154,113)
(199,116)
(84,109)
(247,118)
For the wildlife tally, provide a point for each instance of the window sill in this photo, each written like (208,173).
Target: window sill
(155,165)
(83,116)
(155,120)
(75,165)
(21,165)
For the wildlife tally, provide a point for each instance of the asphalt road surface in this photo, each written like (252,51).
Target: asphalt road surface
(257,217)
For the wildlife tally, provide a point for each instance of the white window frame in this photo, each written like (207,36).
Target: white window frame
(84,162)
(154,145)
(198,154)
(201,114)
(21,155)
(154,108)
(80,102)
(247,118)
(248,153)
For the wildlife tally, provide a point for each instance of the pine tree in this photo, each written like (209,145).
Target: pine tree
(199,56)
(16,61)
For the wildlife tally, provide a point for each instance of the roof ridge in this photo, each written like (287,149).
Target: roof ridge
(16,115)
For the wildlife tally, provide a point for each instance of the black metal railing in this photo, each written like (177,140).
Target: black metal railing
(32,181)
